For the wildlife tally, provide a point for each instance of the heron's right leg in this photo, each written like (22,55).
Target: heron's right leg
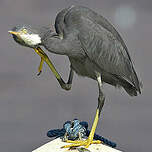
(101,100)
(89,141)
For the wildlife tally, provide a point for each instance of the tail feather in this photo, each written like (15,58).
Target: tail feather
(136,82)
(130,88)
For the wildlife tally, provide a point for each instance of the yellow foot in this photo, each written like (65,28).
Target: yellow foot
(84,143)
(40,67)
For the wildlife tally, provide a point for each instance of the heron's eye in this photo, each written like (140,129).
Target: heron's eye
(24,31)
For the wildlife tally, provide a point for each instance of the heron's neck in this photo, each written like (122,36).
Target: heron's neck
(56,45)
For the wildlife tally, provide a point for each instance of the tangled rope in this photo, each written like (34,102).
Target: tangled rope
(74,130)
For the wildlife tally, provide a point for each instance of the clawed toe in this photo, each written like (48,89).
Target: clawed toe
(84,143)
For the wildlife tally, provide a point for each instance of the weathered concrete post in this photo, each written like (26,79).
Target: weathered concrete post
(55,146)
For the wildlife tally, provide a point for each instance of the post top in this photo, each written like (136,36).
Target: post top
(55,146)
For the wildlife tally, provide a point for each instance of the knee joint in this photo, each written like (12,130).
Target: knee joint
(66,87)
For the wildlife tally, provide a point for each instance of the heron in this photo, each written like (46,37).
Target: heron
(95,50)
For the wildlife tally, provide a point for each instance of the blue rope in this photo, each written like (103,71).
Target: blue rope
(74,129)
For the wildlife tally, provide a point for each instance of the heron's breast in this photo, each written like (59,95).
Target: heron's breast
(84,67)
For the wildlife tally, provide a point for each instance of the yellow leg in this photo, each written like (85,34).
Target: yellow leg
(90,138)
(45,58)
(88,141)
(40,66)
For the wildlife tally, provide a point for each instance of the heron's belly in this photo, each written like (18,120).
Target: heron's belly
(84,67)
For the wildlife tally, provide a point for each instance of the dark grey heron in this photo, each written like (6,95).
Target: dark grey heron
(94,48)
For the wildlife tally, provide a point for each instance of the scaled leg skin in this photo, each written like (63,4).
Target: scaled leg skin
(89,141)
(44,57)
(67,86)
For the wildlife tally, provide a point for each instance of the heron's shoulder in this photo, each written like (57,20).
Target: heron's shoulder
(61,14)
(79,14)
(65,17)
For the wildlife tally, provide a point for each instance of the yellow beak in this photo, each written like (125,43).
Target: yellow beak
(12,32)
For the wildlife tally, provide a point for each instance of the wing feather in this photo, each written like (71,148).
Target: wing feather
(101,43)
(103,48)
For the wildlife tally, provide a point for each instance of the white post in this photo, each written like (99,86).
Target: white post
(55,146)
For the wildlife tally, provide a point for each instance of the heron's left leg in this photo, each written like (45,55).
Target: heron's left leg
(40,66)
(44,57)
(67,86)
(89,141)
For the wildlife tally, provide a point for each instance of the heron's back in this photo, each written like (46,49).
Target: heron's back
(102,45)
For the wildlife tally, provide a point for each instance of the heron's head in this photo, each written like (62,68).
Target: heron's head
(26,36)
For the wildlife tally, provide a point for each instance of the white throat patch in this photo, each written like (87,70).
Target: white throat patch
(31,39)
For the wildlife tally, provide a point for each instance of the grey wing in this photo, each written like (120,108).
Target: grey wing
(105,50)
(60,20)
(102,44)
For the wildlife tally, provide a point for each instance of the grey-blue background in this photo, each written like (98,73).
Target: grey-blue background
(31,105)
